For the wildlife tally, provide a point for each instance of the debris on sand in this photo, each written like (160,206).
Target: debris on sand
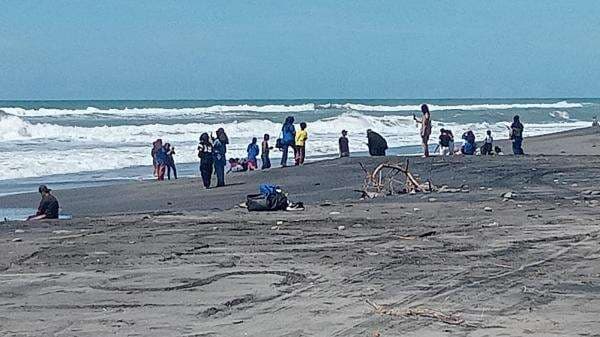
(452,319)
(17,240)
(488,209)
(384,180)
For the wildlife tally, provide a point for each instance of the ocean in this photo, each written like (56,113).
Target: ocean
(86,143)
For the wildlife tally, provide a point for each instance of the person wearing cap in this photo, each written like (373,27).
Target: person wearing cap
(344,148)
(48,208)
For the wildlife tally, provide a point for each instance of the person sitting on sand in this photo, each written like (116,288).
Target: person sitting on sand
(425,122)
(219,152)
(469,147)
(264,154)
(498,151)
(516,135)
(344,146)
(252,154)
(300,141)
(288,137)
(170,161)
(48,208)
(161,160)
(376,143)
(237,165)
(487,147)
(445,140)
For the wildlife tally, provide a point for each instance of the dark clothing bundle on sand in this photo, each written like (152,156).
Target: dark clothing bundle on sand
(271,198)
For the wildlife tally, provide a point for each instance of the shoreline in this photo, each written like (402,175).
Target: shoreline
(88,179)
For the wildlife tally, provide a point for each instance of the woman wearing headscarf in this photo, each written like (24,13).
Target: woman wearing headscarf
(205,153)
(516,135)
(288,138)
(219,151)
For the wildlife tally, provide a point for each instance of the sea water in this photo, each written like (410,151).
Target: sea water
(70,143)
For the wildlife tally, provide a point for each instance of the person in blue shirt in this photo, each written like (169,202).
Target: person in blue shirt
(252,154)
(161,157)
(219,151)
(288,138)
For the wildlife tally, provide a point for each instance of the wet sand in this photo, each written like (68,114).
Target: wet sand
(520,266)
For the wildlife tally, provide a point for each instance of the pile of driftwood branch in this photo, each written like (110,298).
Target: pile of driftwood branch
(386,179)
(422,312)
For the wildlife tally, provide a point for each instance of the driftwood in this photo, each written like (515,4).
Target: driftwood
(383,180)
(423,312)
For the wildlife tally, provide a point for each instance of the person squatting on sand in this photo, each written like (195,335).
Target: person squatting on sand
(264,156)
(300,149)
(516,135)
(376,143)
(487,147)
(425,122)
(48,208)
(252,151)
(469,147)
(170,161)
(219,152)
(446,143)
(205,153)
(288,137)
(343,143)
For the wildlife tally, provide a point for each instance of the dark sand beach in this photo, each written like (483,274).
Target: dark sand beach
(171,259)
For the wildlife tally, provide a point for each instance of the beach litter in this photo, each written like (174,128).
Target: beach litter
(17,240)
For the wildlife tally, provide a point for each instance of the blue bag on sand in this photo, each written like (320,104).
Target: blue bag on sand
(267,190)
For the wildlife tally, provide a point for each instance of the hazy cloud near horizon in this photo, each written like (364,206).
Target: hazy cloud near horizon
(295,49)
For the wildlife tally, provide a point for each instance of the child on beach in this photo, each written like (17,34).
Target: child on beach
(266,161)
(170,161)
(301,137)
(343,142)
(487,147)
(252,154)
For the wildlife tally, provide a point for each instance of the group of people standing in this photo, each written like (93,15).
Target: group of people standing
(162,160)
(212,150)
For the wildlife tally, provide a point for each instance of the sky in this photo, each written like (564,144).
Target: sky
(120,49)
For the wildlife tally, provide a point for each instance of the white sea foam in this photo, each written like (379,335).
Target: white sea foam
(560,115)
(233,110)
(31,150)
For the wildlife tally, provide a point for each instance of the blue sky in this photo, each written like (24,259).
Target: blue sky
(118,49)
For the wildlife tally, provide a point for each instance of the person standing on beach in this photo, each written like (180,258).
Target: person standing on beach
(205,153)
(252,154)
(516,135)
(161,160)
(425,122)
(219,151)
(155,147)
(344,147)
(288,137)
(170,161)
(376,143)
(264,156)
(48,208)
(300,149)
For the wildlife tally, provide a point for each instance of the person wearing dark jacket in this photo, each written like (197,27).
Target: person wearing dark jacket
(48,208)
(288,138)
(219,151)
(170,161)
(516,135)
(205,153)
(377,144)
(343,143)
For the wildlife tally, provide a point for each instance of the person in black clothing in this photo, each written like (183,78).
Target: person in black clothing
(48,208)
(376,143)
(343,142)
(170,161)
(205,153)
